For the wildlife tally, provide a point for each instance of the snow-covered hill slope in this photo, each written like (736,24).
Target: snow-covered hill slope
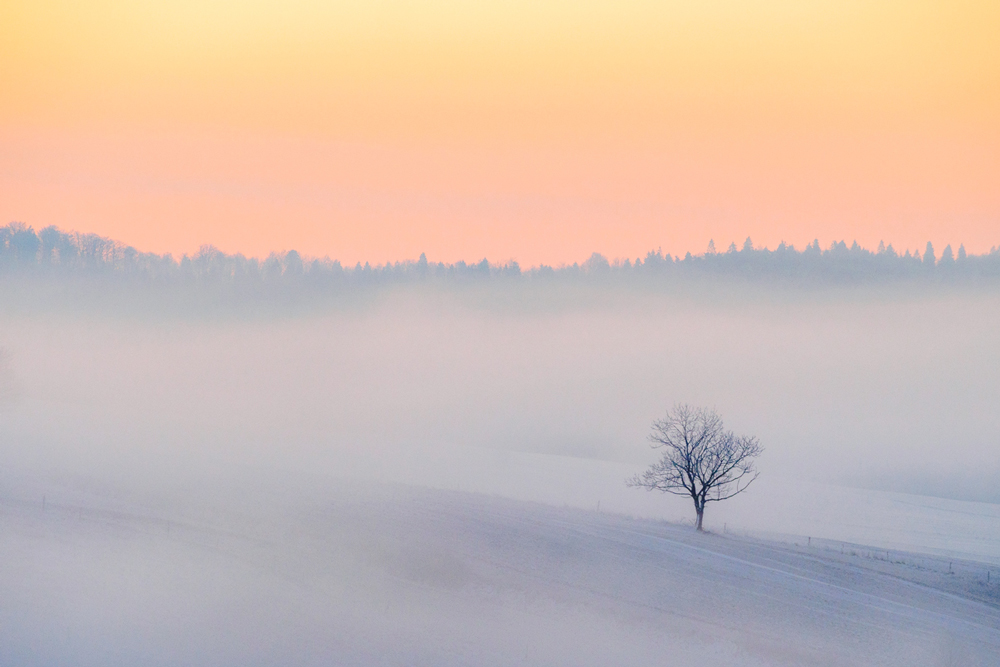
(309,572)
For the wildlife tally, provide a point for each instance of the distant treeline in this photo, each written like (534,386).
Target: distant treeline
(55,253)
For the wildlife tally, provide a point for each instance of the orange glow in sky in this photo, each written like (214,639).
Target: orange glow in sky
(520,129)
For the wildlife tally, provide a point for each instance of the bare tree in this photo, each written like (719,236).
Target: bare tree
(700,459)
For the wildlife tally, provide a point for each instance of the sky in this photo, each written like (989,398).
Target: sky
(531,131)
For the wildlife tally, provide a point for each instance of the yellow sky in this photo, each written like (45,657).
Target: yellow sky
(539,131)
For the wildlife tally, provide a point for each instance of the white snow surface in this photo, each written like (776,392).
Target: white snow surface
(437,478)
(312,570)
(778,506)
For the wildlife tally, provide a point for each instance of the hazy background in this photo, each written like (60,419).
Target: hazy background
(888,388)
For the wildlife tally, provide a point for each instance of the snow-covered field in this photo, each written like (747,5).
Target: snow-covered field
(307,570)
(777,507)
(430,480)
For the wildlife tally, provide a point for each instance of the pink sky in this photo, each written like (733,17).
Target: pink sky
(539,133)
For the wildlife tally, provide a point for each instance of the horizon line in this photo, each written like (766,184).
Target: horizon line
(711,250)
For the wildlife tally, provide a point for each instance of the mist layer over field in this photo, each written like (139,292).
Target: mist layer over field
(891,391)
(134,443)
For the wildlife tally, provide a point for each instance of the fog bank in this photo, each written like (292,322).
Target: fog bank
(893,393)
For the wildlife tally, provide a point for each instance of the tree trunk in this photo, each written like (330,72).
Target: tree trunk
(699,508)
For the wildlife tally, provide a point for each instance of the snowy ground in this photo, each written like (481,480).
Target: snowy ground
(777,506)
(306,570)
